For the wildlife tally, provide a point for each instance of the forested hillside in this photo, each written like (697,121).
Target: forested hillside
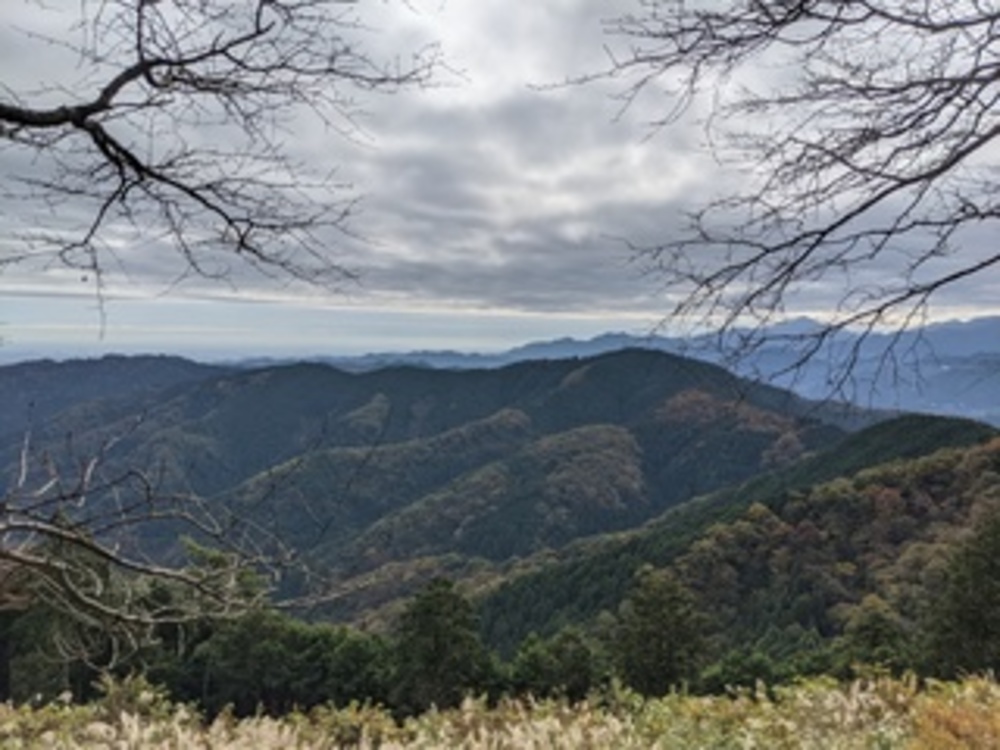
(31,393)
(593,576)
(385,479)
(543,528)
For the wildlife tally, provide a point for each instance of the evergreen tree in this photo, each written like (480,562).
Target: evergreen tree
(567,664)
(268,661)
(964,625)
(439,656)
(659,635)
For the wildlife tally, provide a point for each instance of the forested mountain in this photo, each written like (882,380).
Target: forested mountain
(433,471)
(593,576)
(33,392)
(575,504)
(943,368)
(544,483)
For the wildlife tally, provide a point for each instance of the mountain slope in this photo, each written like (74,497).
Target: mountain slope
(592,576)
(788,578)
(374,474)
(33,392)
(602,444)
(574,483)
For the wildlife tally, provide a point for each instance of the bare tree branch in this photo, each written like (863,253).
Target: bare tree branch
(83,542)
(174,139)
(866,131)
(184,141)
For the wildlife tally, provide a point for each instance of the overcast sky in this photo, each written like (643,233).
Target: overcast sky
(493,212)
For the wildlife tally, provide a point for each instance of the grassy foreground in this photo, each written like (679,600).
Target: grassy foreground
(877,713)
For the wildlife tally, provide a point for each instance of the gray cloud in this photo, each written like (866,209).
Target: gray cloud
(486,193)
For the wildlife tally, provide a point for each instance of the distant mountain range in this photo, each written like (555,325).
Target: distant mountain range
(950,368)
(943,368)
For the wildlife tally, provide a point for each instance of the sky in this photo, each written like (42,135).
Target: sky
(495,208)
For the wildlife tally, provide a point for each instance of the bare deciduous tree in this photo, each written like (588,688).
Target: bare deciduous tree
(99,546)
(868,130)
(174,132)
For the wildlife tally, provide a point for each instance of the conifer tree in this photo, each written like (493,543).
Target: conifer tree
(659,635)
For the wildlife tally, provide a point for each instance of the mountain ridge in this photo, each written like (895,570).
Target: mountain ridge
(492,463)
(950,367)
(389,477)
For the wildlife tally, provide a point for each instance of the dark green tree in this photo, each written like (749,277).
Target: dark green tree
(739,668)
(659,636)
(568,664)
(875,635)
(439,656)
(964,618)
(271,662)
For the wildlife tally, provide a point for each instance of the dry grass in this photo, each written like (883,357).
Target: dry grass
(877,713)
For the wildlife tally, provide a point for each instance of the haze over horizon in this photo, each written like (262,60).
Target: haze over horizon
(509,337)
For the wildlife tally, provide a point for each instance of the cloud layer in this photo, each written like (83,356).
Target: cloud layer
(498,190)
